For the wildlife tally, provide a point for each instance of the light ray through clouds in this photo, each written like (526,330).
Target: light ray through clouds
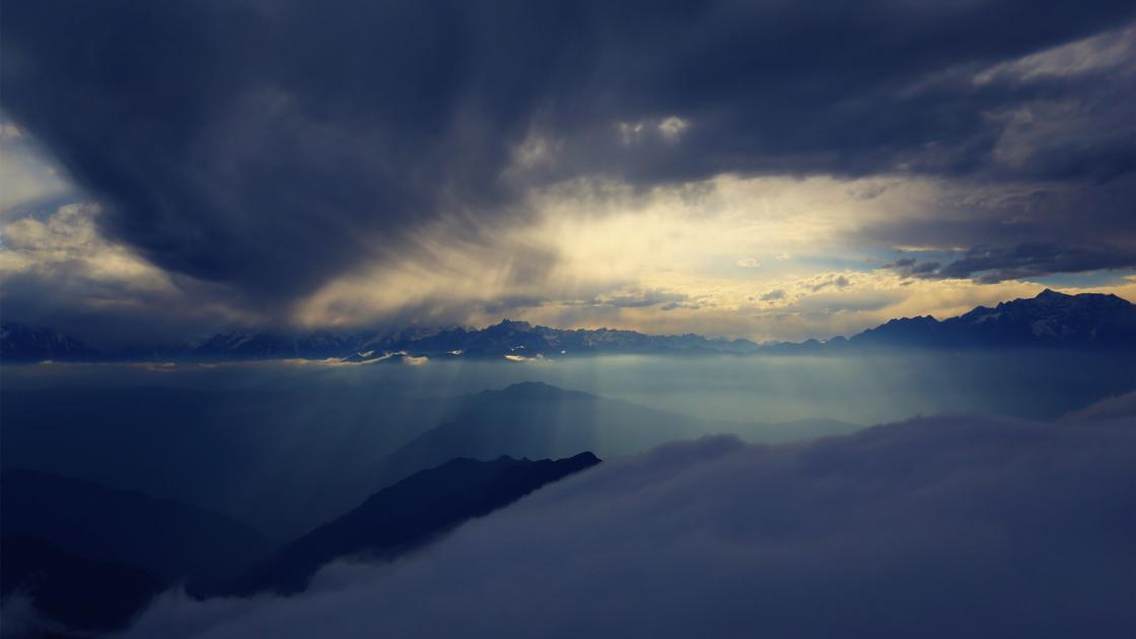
(238,239)
(675,228)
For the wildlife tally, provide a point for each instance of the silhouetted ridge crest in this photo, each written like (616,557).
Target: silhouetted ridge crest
(404,516)
(1048,320)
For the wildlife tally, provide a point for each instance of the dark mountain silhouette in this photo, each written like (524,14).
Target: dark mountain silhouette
(161,537)
(236,451)
(403,517)
(1049,320)
(536,420)
(315,345)
(77,592)
(286,460)
(89,557)
(23,343)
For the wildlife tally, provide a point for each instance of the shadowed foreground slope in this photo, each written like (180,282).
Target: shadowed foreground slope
(165,538)
(405,516)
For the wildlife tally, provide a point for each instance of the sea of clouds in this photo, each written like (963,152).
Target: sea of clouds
(932,527)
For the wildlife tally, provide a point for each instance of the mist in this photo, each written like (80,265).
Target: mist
(936,527)
(238,438)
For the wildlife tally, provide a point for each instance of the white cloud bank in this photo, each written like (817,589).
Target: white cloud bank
(944,527)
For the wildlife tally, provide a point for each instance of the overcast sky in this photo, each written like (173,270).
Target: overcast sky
(771,170)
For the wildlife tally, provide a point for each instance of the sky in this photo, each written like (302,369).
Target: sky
(769,170)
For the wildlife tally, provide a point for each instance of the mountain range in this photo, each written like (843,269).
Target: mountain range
(1049,320)
(23,343)
(89,557)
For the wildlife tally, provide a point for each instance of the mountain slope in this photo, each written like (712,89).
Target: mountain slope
(405,516)
(165,538)
(75,591)
(536,420)
(315,345)
(23,343)
(225,449)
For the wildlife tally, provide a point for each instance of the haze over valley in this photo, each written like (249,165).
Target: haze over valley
(568,318)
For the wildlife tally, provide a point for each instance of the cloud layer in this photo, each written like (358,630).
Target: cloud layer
(578,164)
(939,527)
(272,147)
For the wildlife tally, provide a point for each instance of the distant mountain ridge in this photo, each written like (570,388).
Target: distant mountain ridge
(537,420)
(23,343)
(507,338)
(1049,320)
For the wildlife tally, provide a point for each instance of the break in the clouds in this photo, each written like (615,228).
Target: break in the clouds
(940,527)
(359,162)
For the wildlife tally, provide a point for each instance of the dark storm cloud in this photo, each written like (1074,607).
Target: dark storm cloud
(1039,230)
(1030,260)
(940,527)
(105,314)
(274,145)
(910,267)
(990,265)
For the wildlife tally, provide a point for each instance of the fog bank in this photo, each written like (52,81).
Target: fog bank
(939,527)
